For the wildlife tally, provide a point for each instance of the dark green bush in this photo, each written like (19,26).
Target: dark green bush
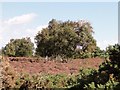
(106,77)
(19,47)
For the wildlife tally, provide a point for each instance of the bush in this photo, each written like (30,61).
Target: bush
(106,77)
(19,47)
(114,53)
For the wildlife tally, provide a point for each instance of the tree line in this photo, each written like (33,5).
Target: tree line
(72,39)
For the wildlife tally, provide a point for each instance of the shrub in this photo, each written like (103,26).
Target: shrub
(19,47)
(106,77)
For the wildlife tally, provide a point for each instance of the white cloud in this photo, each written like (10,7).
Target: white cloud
(38,28)
(11,29)
(106,43)
(32,32)
(26,18)
(14,33)
(0,38)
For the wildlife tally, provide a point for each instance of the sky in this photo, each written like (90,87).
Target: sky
(25,19)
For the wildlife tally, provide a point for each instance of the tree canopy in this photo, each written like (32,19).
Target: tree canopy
(19,47)
(65,38)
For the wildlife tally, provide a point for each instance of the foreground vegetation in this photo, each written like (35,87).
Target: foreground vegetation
(106,77)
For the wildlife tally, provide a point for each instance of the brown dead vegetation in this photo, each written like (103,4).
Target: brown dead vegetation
(40,65)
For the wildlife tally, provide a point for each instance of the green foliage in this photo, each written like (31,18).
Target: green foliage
(62,38)
(100,53)
(46,81)
(106,77)
(86,79)
(19,47)
(114,52)
(108,86)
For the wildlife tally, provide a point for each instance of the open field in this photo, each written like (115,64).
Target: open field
(34,66)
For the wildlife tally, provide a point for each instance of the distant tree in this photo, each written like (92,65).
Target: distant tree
(62,38)
(19,47)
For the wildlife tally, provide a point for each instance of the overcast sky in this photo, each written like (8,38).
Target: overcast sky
(21,19)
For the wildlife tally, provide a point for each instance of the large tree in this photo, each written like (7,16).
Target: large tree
(19,47)
(62,38)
